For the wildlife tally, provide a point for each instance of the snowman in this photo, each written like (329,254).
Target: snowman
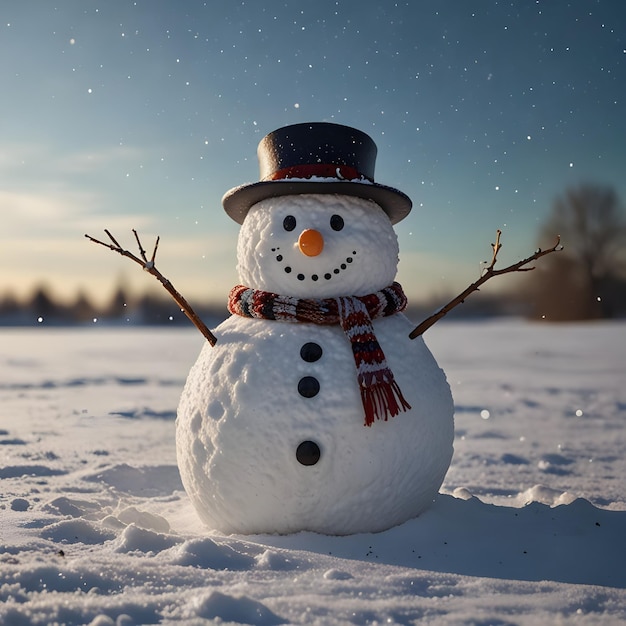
(314,411)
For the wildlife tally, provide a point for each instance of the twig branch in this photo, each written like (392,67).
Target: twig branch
(489,272)
(150,267)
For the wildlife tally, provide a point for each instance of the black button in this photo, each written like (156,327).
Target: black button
(311,352)
(308,386)
(308,453)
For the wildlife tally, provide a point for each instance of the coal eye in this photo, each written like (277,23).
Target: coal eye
(289,223)
(336,222)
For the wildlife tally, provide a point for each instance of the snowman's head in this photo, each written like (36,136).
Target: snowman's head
(317,246)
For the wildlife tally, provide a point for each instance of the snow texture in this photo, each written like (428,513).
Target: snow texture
(529,528)
(358,259)
(241,420)
(244,413)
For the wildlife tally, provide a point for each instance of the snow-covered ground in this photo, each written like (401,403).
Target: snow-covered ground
(530,527)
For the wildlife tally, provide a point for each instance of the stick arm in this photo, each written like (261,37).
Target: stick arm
(488,273)
(150,267)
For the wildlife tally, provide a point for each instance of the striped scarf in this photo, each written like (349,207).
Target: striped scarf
(380,393)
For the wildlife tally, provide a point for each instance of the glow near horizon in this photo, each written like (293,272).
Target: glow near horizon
(142,114)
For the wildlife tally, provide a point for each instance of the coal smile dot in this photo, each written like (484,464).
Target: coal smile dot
(315,277)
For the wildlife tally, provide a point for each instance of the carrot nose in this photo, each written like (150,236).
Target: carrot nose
(311,242)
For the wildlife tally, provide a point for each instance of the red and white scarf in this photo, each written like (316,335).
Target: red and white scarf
(380,393)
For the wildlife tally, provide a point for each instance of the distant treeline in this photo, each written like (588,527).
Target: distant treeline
(42,307)
(150,309)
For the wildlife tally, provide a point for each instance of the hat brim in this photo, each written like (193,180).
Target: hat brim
(237,201)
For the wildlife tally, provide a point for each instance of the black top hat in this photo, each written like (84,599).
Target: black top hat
(317,157)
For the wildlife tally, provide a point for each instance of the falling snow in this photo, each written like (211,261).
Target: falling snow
(435,89)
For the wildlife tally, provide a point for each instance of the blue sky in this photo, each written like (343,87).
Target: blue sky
(123,114)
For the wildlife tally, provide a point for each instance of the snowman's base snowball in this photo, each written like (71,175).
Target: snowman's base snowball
(243,416)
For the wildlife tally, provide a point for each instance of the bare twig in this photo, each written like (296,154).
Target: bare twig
(150,267)
(488,272)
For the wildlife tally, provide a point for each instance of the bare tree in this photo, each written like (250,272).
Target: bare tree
(586,281)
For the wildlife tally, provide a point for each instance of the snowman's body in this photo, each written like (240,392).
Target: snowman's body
(269,386)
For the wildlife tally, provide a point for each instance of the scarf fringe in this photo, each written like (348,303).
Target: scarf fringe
(381,400)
